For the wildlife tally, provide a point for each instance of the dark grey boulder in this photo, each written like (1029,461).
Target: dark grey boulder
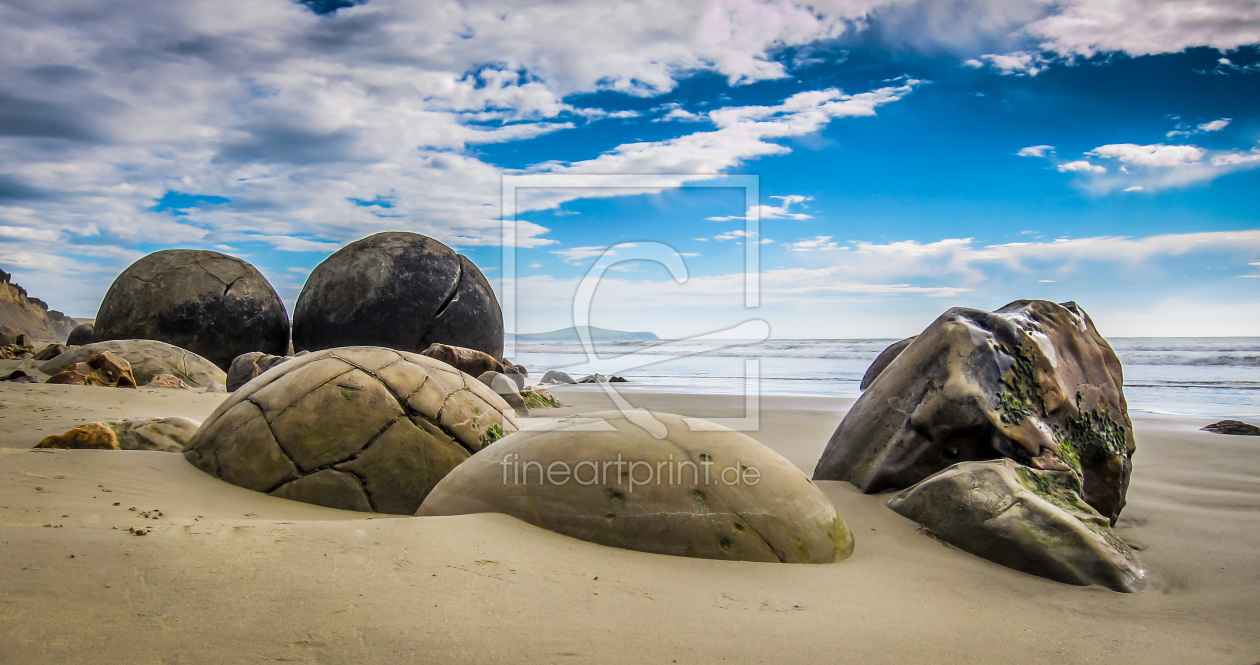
(214,305)
(1033,381)
(883,359)
(248,366)
(401,291)
(1027,519)
(81,335)
(1234,427)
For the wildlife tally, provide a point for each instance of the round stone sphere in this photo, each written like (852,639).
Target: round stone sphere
(653,482)
(214,305)
(401,291)
(357,428)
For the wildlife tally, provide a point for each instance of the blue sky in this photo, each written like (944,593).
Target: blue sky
(911,156)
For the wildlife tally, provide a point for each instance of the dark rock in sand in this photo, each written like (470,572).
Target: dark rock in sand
(401,291)
(148,358)
(1033,381)
(882,360)
(49,352)
(357,428)
(781,517)
(593,378)
(1027,519)
(248,366)
(1235,427)
(83,334)
(214,305)
(468,361)
(555,376)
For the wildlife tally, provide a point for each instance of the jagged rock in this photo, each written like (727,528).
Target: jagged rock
(712,508)
(882,360)
(468,361)
(24,315)
(101,369)
(83,334)
(214,305)
(504,387)
(358,428)
(536,397)
(1027,519)
(618,379)
(169,435)
(95,436)
(398,290)
(248,366)
(1235,427)
(554,377)
(49,352)
(167,381)
(1033,381)
(593,378)
(148,359)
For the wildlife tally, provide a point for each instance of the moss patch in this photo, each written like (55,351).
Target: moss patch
(534,400)
(493,433)
(1021,398)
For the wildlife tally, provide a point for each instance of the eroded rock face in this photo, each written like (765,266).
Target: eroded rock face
(214,305)
(101,369)
(398,290)
(148,359)
(769,512)
(168,435)
(357,428)
(1033,382)
(468,361)
(1023,518)
(92,436)
(248,366)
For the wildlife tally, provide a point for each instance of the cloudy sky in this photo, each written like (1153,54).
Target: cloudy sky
(910,155)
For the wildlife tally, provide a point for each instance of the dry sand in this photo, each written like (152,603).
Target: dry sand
(231,576)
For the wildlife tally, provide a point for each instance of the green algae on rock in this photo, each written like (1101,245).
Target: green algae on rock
(699,490)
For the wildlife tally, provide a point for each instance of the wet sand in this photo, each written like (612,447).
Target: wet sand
(229,575)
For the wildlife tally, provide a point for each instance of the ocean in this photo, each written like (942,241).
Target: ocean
(1189,376)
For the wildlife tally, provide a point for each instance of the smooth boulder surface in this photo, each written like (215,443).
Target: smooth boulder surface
(468,361)
(1233,427)
(399,290)
(169,434)
(1033,382)
(555,377)
(148,359)
(770,511)
(1022,518)
(504,387)
(83,334)
(882,361)
(356,428)
(214,305)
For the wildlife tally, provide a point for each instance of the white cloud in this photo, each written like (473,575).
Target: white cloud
(1157,155)
(1212,126)
(1081,166)
(1135,188)
(815,244)
(771,212)
(577,254)
(1035,151)
(1147,27)
(1018,63)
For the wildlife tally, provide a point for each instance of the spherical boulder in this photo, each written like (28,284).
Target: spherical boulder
(357,428)
(82,334)
(148,359)
(697,489)
(214,305)
(398,290)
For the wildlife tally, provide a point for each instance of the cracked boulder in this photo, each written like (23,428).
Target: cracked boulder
(148,360)
(398,290)
(652,482)
(1033,382)
(1023,518)
(356,428)
(214,305)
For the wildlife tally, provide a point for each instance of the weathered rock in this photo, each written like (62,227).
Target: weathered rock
(593,378)
(248,366)
(359,428)
(398,290)
(536,397)
(882,360)
(22,376)
(102,369)
(22,315)
(762,509)
(96,436)
(169,435)
(1235,427)
(554,377)
(84,333)
(215,387)
(618,379)
(214,305)
(49,352)
(468,361)
(505,388)
(148,359)
(1027,519)
(1034,382)
(167,381)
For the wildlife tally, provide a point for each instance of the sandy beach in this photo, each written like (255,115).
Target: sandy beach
(228,575)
